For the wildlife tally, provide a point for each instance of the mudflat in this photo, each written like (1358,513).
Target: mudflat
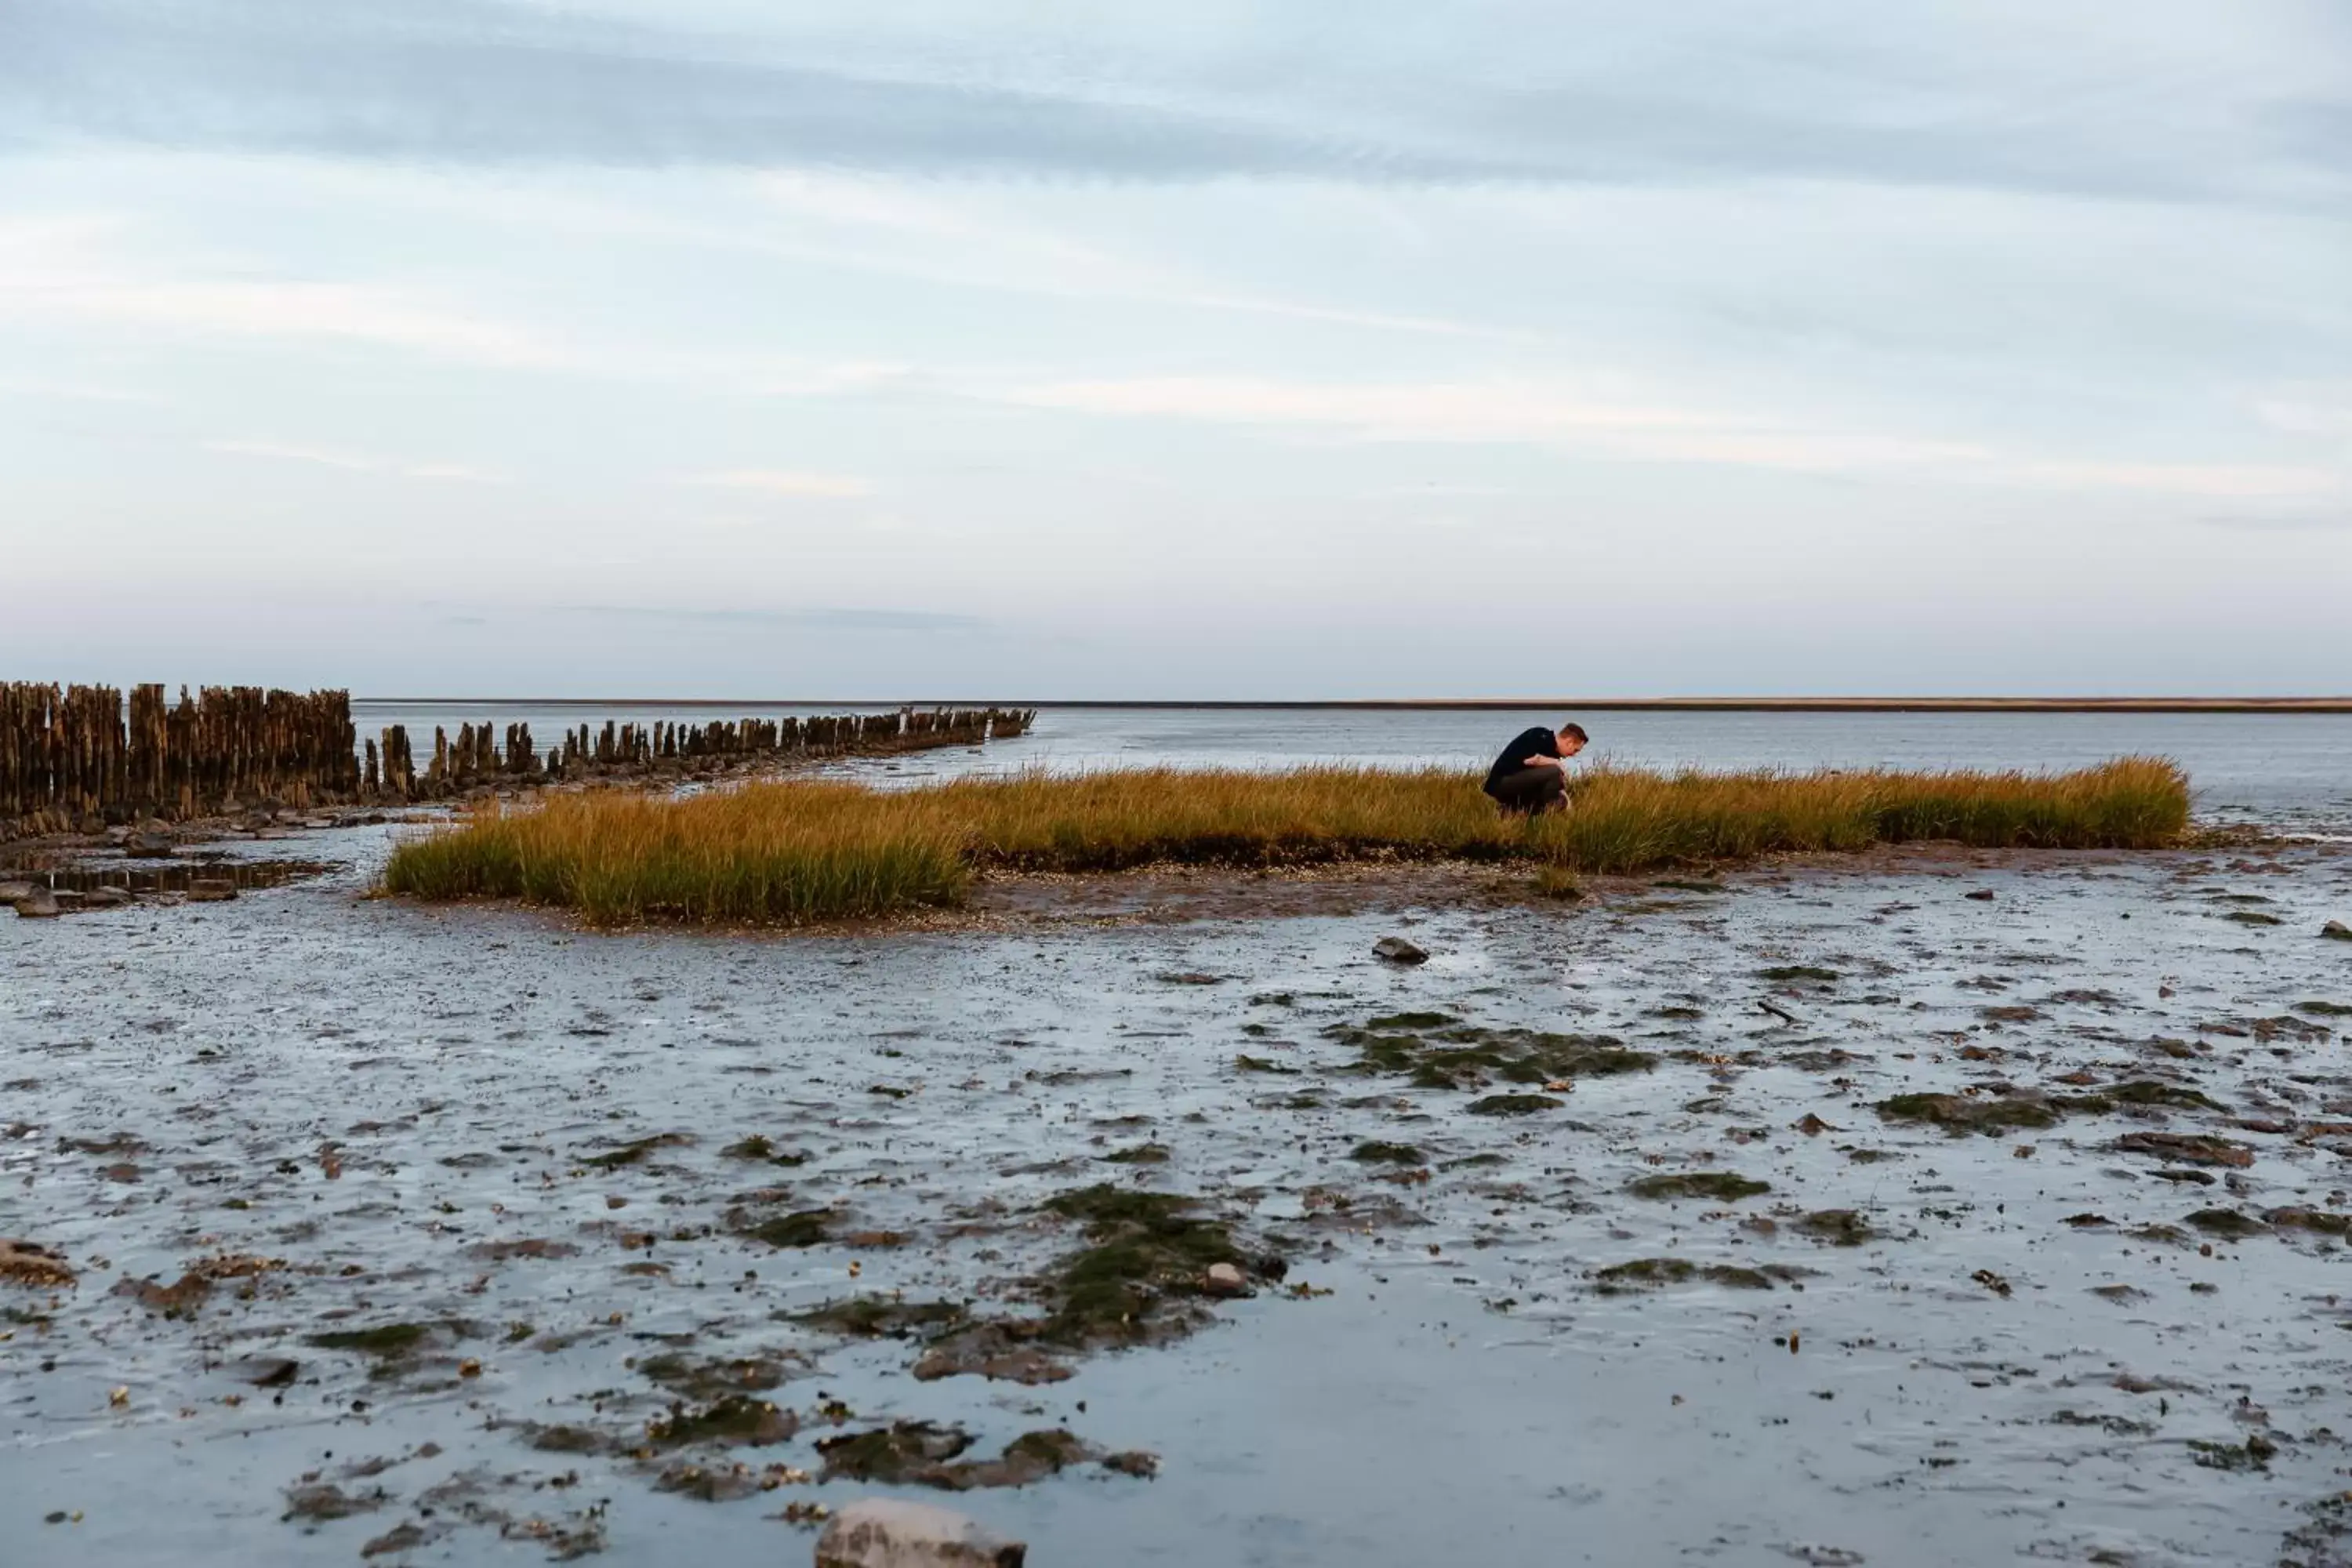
(1939,1206)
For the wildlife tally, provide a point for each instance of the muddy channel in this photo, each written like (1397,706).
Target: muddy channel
(1951,1210)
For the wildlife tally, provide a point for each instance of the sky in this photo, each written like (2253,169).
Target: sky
(1337,348)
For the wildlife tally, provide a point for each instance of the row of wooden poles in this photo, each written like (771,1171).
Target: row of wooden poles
(78,757)
(478,755)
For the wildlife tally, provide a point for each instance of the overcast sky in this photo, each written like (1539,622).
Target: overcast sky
(761,348)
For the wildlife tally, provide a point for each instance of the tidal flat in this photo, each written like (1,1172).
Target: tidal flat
(1945,1206)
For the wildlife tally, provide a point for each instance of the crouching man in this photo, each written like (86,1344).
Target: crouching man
(1531,776)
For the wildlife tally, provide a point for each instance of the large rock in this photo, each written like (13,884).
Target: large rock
(882,1532)
(11,891)
(1396,949)
(39,904)
(2336,930)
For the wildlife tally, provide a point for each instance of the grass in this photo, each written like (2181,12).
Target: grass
(805,850)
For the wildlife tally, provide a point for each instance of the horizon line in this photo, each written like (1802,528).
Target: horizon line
(2310,704)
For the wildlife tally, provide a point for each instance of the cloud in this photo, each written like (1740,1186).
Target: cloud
(817,618)
(73,267)
(785,482)
(2284,522)
(351,462)
(1535,414)
(2171,104)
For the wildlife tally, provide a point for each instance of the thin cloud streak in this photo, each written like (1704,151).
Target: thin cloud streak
(783,482)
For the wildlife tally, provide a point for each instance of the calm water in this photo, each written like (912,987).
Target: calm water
(2294,771)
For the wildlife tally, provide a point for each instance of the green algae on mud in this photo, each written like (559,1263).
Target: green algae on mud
(732,1420)
(879,1317)
(1722,1187)
(1650,1273)
(807,1228)
(1145,1251)
(1435,1050)
(920,1453)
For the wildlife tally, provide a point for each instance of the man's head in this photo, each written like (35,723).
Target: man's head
(1572,739)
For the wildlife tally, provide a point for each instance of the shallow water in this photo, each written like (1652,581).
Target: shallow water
(370,1090)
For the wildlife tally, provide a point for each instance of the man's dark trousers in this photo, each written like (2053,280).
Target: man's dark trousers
(1530,789)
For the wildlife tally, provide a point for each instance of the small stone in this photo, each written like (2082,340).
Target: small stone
(39,904)
(145,845)
(211,891)
(11,891)
(1396,949)
(1225,1279)
(882,1532)
(2336,930)
(108,897)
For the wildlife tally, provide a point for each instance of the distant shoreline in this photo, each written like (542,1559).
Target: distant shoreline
(1467,704)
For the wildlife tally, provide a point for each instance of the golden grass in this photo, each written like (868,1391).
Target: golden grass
(806,850)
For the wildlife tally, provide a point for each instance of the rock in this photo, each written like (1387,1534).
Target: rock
(68,900)
(39,904)
(11,891)
(1396,949)
(2336,930)
(144,845)
(1225,1279)
(109,898)
(211,891)
(882,1532)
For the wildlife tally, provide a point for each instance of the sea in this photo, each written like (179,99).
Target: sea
(2291,772)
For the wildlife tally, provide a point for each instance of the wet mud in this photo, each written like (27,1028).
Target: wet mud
(1810,1212)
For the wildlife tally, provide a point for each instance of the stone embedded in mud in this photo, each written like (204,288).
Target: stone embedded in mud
(2336,930)
(1396,949)
(1225,1279)
(1379,1153)
(39,904)
(884,1532)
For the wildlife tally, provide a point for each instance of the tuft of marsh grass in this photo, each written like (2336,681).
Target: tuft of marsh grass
(801,850)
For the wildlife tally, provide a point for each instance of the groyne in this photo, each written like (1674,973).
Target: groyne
(82,758)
